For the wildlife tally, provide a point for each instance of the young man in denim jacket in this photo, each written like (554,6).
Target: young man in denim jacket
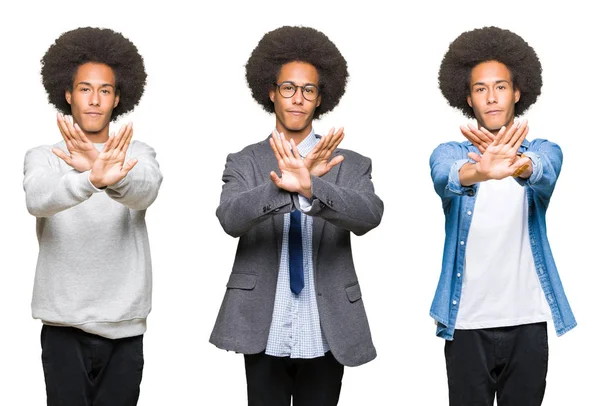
(499,284)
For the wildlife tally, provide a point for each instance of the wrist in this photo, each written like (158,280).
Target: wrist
(96,181)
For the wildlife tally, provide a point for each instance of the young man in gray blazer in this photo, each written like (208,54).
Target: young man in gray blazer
(293,304)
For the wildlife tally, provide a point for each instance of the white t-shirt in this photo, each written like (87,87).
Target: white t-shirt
(500,287)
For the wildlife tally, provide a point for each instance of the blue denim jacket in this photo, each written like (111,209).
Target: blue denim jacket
(458,202)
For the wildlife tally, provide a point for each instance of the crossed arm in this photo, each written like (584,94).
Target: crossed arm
(50,190)
(353,206)
(498,159)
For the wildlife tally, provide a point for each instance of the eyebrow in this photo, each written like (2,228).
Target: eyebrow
(90,85)
(496,82)
(294,83)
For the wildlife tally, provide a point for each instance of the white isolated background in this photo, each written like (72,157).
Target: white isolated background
(197,108)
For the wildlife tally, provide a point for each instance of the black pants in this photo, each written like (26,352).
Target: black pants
(272,381)
(83,369)
(508,361)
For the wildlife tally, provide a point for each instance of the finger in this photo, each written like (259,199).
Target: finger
(62,126)
(335,161)
(337,138)
(519,134)
(279,139)
(129,165)
(329,138)
(275,179)
(512,134)
(275,150)
(80,133)
(71,129)
(109,143)
(286,149)
(498,138)
(295,152)
(489,137)
(125,133)
(61,154)
(128,137)
(474,140)
(475,157)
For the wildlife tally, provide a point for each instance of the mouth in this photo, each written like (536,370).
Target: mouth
(493,112)
(94,114)
(296,112)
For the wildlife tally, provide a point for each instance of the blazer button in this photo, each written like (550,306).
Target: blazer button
(264,209)
(269,207)
(470,193)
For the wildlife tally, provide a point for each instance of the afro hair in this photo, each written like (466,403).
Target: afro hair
(489,44)
(302,44)
(74,48)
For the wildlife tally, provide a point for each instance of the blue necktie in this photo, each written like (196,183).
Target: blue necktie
(295,252)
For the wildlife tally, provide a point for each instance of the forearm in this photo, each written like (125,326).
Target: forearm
(241,209)
(355,208)
(139,188)
(470,175)
(48,190)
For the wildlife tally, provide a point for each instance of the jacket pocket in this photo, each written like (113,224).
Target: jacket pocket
(353,292)
(245,281)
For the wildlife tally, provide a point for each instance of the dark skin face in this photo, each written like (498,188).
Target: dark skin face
(93,98)
(493,96)
(294,115)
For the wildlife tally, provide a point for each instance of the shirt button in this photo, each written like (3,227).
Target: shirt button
(469,212)
(462,243)
(458,274)
(454,302)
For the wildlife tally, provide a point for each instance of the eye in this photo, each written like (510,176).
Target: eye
(288,87)
(501,87)
(84,89)
(479,89)
(105,91)
(310,89)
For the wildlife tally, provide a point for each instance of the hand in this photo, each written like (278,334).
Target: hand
(481,138)
(110,166)
(500,158)
(295,176)
(317,161)
(82,152)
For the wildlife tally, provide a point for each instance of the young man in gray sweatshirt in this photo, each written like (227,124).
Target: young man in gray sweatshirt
(89,194)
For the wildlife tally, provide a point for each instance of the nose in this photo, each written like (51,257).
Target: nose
(298,98)
(492,97)
(94,99)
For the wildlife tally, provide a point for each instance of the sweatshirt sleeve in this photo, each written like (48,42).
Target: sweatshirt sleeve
(139,188)
(49,189)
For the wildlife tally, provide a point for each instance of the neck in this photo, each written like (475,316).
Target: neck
(98,137)
(297,136)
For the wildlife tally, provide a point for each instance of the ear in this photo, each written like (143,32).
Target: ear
(68,96)
(469,101)
(272,95)
(117,98)
(517,95)
(318,103)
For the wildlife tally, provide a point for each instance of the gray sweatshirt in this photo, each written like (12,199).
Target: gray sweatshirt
(94,270)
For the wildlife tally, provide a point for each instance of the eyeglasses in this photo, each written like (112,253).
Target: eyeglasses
(288,89)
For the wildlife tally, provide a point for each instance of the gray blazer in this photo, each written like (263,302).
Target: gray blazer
(251,208)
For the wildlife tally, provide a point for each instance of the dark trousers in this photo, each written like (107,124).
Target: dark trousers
(272,381)
(508,361)
(83,369)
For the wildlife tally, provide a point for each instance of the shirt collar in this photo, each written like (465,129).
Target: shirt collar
(307,144)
